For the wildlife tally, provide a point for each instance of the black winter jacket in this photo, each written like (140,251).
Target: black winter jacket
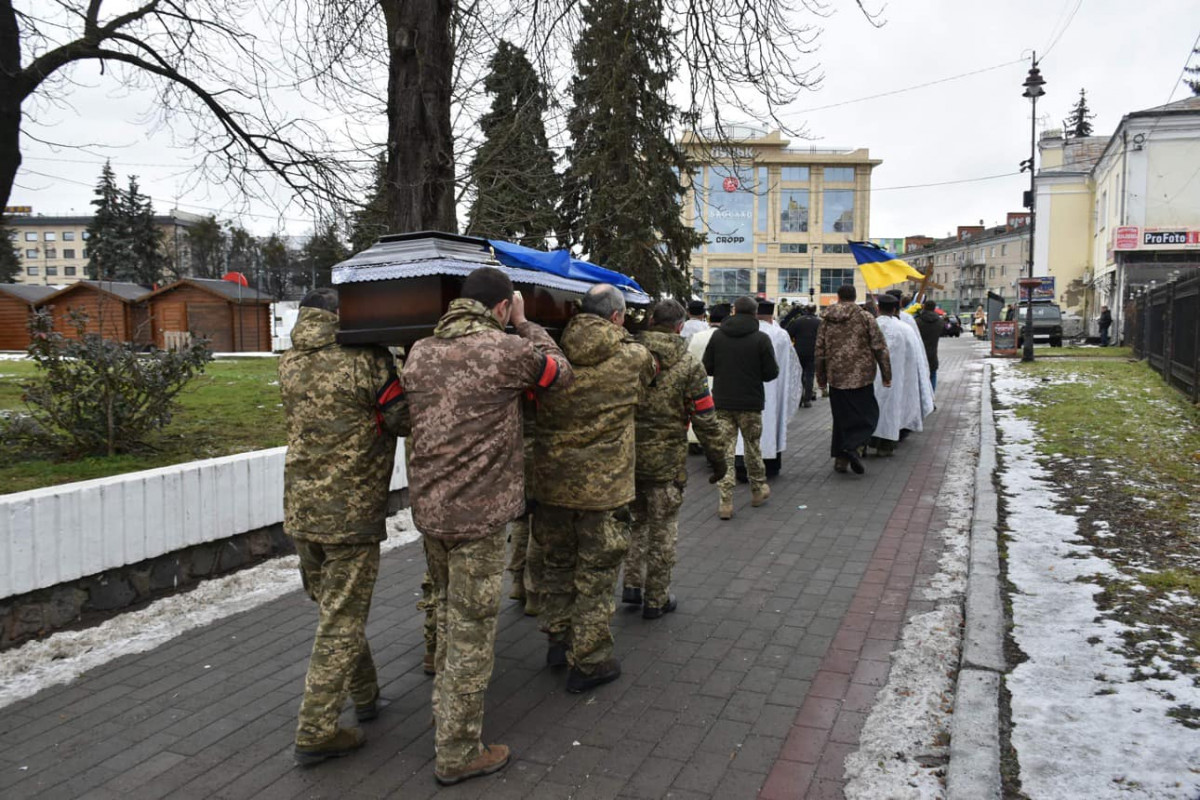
(741,359)
(931,324)
(803,331)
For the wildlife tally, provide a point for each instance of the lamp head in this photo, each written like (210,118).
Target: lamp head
(1034,83)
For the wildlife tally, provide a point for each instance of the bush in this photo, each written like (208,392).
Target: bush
(100,397)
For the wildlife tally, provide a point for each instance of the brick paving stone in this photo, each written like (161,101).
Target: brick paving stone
(759,683)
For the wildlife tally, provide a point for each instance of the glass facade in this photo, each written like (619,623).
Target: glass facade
(726,284)
(839,249)
(762,196)
(839,174)
(793,174)
(730,213)
(793,211)
(831,279)
(792,247)
(838,216)
(793,281)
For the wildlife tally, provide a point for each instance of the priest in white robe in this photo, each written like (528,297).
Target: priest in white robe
(698,343)
(782,395)
(904,405)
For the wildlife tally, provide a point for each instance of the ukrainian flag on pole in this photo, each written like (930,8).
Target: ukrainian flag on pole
(881,268)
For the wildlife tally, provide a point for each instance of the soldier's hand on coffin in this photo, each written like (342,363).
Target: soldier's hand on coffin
(716,461)
(518,309)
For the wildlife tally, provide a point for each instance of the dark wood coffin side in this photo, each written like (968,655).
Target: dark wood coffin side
(400,311)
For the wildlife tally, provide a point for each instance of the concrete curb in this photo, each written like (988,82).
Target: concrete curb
(974,768)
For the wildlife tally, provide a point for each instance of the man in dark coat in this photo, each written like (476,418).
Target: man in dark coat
(741,358)
(930,324)
(1105,324)
(803,330)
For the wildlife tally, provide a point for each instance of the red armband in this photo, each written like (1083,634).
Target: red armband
(549,374)
(704,403)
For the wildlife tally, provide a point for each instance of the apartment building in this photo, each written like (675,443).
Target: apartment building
(975,261)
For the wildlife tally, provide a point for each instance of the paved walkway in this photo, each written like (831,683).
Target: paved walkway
(759,684)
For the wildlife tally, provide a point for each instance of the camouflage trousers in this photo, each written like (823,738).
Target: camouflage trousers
(341,579)
(428,604)
(655,531)
(750,425)
(466,581)
(582,553)
(526,561)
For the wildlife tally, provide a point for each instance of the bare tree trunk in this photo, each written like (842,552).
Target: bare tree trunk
(420,163)
(11,94)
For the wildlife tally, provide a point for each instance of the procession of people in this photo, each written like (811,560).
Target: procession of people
(564,462)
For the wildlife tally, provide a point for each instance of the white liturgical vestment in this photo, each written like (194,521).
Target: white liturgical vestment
(909,400)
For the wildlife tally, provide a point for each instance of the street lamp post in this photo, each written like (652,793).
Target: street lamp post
(1033,90)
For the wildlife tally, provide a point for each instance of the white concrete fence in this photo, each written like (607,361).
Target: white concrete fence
(62,533)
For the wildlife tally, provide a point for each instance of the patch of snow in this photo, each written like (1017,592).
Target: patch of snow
(909,722)
(64,656)
(1081,726)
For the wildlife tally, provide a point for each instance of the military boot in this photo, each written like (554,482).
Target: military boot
(429,664)
(532,606)
(518,587)
(365,712)
(631,595)
(493,759)
(654,612)
(758,497)
(342,743)
(607,672)
(725,508)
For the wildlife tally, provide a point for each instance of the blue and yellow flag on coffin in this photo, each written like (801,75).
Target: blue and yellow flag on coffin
(879,267)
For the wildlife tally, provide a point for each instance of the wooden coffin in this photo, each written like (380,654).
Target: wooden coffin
(394,292)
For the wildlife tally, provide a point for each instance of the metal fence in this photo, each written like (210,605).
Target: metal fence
(1164,329)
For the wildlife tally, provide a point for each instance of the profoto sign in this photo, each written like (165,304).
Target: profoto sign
(1133,238)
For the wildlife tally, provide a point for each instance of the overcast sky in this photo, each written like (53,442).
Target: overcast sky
(1128,56)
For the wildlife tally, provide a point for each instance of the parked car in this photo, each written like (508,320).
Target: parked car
(1047,324)
(953,326)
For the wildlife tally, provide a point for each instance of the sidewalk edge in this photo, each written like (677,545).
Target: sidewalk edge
(974,769)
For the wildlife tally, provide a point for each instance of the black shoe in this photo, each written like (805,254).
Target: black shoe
(556,656)
(855,463)
(652,612)
(607,672)
(631,595)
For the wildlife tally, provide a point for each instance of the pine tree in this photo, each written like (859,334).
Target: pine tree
(622,193)
(207,243)
(108,239)
(1079,122)
(323,249)
(244,253)
(10,262)
(276,266)
(372,220)
(1193,82)
(516,188)
(147,260)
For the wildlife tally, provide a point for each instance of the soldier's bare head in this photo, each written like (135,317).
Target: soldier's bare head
(745,305)
(668,314)
(847,292)
(493,288)
(325,299)
(605,301)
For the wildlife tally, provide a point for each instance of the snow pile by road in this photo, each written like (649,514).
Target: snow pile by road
(1081,726)
(905,742)
(65,656)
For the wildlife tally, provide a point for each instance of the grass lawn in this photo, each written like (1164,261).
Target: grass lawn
(233,407)
(1123,448)
(1083,352)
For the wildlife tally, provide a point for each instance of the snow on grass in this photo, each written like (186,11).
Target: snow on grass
(64,656)
(1081,726)
(905,741)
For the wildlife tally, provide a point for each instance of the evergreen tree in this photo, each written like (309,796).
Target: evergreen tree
(622,194)
(244,254)
(10,263)
(1193,82)
(1079,122)
(108,240)
(276,266)
(207,243)
(147,260)
(372,220)
(516,188)
(323,249)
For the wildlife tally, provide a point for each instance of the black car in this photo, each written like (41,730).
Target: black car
(953,326)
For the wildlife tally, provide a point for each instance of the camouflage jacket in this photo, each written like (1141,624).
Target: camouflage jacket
(849,345)
(678,395)
(341,442)
(464,387)
(584,453)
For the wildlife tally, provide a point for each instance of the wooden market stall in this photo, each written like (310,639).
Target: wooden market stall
(16,305)
(114,310)
(234,318)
